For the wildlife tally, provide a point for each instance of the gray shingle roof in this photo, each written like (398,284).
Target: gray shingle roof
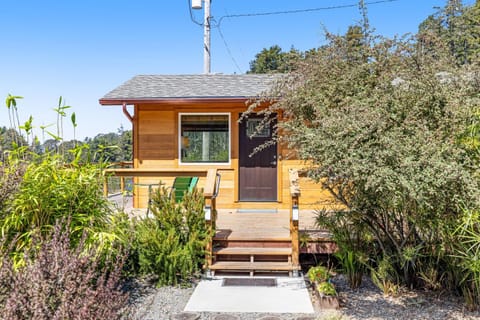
(149,87)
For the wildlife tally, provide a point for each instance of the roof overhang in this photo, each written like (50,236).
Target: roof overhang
(176,101)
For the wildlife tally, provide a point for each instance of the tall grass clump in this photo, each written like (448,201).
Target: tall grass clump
(465,257)
(60,281)
(355,244)
(49,191)
(171,244)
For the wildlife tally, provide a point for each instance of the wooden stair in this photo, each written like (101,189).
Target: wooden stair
(253,251)
(252,242)
(247,255)
(252,266)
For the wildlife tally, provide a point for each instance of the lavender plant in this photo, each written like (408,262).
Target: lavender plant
(59,281)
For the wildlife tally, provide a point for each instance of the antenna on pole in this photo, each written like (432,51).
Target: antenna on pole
(197,4)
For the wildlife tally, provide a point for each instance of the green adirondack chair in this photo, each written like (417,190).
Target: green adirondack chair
(182,185)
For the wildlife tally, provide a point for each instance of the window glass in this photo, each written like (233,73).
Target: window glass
(254,132)
(204,138)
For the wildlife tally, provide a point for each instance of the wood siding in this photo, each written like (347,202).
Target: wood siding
(156,146)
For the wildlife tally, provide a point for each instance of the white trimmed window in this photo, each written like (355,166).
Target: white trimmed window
(204,138)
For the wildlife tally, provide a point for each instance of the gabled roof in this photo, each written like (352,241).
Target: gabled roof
(150,88)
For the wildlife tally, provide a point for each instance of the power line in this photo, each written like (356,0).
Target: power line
(218,23)
(241,15)
(189,3)
(228,49)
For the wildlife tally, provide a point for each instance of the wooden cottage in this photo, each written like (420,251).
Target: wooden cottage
(188,125)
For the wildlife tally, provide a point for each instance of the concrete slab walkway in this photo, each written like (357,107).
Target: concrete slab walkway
(289,296)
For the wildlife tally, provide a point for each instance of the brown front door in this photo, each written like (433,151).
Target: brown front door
(257,172)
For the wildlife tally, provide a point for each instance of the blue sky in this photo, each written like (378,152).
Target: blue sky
(82,49)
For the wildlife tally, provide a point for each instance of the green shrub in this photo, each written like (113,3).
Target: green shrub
(51,191)
(11,174)
(382,126)
(327,289)
(318,274)
(384,277)
(171,244)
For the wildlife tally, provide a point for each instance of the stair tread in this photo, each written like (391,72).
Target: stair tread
(253,251)
(251,238)
(241,265)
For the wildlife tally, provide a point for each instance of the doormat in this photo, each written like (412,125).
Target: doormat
(256,210)
(249,282)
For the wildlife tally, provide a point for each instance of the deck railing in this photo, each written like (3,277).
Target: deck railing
(119,165)
(210,191)
(294,215)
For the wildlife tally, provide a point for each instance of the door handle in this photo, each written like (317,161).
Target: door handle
(273,163)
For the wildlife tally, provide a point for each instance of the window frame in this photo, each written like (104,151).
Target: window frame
(179,139)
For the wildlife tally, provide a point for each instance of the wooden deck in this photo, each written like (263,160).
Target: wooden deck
(235,225)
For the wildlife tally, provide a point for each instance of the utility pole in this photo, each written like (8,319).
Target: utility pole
(206,38)
(197,4)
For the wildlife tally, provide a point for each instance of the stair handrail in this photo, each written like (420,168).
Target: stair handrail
(217,185)
(294,214)
(210,193)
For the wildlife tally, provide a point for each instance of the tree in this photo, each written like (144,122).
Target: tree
(9,138)
(383,135)
(111,147)
(274,60)
(125,143)
(457,27)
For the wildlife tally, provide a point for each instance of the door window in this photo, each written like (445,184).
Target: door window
(254,130)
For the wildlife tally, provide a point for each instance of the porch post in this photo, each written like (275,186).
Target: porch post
(294,215)
(210,213)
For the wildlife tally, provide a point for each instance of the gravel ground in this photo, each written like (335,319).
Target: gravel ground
(367,302)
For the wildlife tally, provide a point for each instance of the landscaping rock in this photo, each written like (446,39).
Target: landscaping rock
(186,316)
(225,316)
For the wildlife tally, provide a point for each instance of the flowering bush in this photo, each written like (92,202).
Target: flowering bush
(58,282)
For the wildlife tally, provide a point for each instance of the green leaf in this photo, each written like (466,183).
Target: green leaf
(57,138)
(27,126)
(11,101)
(43,127)
(74,119)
